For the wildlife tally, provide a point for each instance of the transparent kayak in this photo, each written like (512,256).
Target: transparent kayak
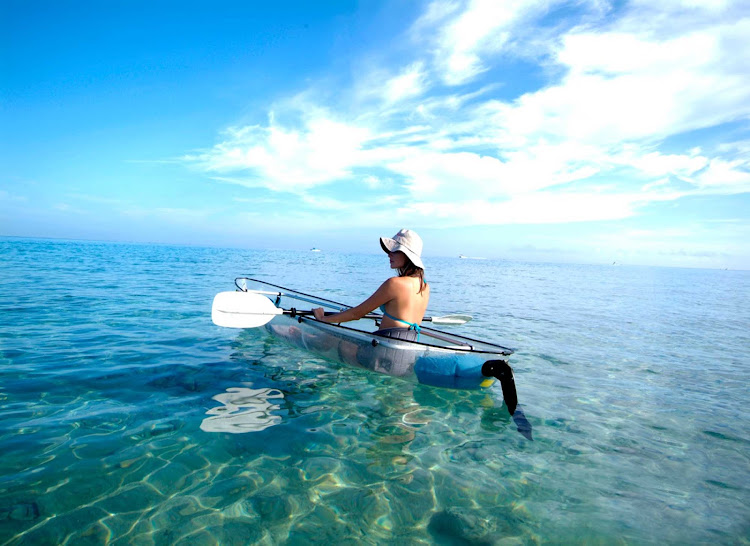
(438,358)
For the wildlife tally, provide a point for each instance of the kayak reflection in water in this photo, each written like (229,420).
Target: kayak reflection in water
(402,299)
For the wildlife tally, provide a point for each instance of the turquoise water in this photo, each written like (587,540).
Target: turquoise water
(129,418)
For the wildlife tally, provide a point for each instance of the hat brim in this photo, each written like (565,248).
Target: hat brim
(389,245)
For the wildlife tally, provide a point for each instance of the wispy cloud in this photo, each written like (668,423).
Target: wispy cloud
(584,144)
(409,83)
(67,208)
(11,197)
(322,150)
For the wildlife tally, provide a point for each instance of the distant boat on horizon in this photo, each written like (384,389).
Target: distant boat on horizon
(462,257)
(313,249)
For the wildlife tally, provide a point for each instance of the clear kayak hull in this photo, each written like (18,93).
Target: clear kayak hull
(438,358)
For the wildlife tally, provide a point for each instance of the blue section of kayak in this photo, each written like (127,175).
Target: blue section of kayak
(458,371)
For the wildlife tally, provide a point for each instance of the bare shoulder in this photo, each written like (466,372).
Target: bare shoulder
(398,282)
(403,284)
(394,284)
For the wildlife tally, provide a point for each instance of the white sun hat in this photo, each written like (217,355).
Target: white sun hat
(406,241)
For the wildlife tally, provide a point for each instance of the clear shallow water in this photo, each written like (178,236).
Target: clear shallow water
(127,417)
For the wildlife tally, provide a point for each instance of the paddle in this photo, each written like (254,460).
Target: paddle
(252,309)
(241,283)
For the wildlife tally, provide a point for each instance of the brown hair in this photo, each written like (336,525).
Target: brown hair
(411,270)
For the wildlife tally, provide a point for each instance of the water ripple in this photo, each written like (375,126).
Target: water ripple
(122,403)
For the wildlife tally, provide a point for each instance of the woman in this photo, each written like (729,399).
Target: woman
(403,299)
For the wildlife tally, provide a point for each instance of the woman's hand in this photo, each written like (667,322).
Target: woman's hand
(319,314)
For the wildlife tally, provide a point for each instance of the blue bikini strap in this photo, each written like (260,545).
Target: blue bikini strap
(412,325)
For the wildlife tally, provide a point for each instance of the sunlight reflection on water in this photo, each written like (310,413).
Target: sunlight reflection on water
(244,410)
(124,407)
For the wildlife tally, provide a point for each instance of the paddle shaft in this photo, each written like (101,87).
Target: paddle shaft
(294,313)
(374,316)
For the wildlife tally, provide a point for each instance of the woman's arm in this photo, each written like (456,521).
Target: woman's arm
(382,295)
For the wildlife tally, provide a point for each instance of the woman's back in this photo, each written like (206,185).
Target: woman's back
(408,304)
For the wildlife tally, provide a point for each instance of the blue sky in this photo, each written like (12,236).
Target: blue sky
(585,131)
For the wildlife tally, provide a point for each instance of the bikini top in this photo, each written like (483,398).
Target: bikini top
(412,325)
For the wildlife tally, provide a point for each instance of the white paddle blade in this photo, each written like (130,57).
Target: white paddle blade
(455,320)
(242,310)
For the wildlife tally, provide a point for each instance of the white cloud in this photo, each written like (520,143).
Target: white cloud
(287,159)
(409,83)
(539,208)
(457,175)
(482,29)
(738,148)
(372,181)
(632,86)
(655,164)
(584,146)
(619,52)
(69,209)
(325,203)
(725,176)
